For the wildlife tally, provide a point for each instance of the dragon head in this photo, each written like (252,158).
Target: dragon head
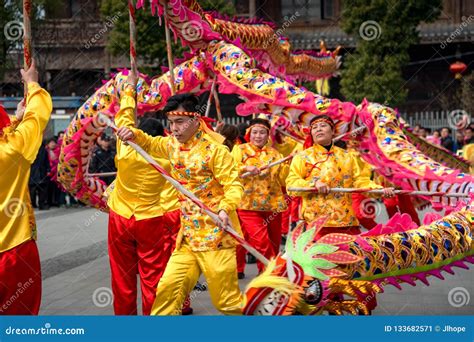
(305,279)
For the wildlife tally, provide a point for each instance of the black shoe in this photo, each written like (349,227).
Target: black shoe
(200,287)
(251,259)
(241,275)
(44,207)
(187,311)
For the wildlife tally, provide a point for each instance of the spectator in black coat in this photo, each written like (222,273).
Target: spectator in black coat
(446,140)
(39,178)
(103,159)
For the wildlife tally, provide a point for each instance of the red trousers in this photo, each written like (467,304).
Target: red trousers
(139,247)
(402,204)
(262,229)
(20,280)
(399,203)
(291,215)
(363,216)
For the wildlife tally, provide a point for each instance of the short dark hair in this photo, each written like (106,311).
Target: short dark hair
(260,121)
(449,129)
(230,132)
(188,101)
(152,127)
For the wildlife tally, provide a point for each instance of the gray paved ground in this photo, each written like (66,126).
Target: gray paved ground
(73,249)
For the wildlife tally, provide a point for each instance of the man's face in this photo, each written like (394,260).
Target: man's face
(183,127)
(444,133)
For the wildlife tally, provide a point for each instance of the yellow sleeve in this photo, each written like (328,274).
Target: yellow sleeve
(28,136)
(225,172)
(237,156)
(296,177)
(152,145)
(126,115)
(283,171)
(286,147)
(362,173)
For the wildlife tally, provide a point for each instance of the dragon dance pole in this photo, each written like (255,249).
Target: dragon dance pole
(133,34)
(211,92)
(188,194)
(355,131)
(380,191)
(280,161)
(289,135)
(218,105)
(168,49)
(133,40)
(26,38)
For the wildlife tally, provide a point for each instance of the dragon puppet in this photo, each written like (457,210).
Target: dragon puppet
(248,58)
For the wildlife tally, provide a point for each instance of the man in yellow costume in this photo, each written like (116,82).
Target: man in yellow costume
(260,212)
(143,223)
(204,166)
(20,140)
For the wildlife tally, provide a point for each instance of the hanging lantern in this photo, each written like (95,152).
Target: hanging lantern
(457,68)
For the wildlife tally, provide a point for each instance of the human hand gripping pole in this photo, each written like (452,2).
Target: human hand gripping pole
(215,217)
(263,168)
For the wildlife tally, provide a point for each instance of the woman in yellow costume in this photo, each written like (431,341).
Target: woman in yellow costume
(323,166)
(260,212)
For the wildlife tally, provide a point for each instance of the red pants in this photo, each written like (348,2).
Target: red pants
(20,280)
(262,229)
(364,218)
(295,209)
(285,221)
(370,299)
(142,247)
(402,204)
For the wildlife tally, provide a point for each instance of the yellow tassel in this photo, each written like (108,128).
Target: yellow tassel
(267,279)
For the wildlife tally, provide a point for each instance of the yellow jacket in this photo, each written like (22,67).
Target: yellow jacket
(139,189)
(468,154)
(262,192)
(207,170)
(288,146)
(336,168)
(18,149)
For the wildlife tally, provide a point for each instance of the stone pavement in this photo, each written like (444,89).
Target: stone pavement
(73,250)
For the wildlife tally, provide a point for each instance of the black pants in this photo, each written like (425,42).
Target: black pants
(40,190)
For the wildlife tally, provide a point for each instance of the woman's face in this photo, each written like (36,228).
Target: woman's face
(322,133)
(259,136)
